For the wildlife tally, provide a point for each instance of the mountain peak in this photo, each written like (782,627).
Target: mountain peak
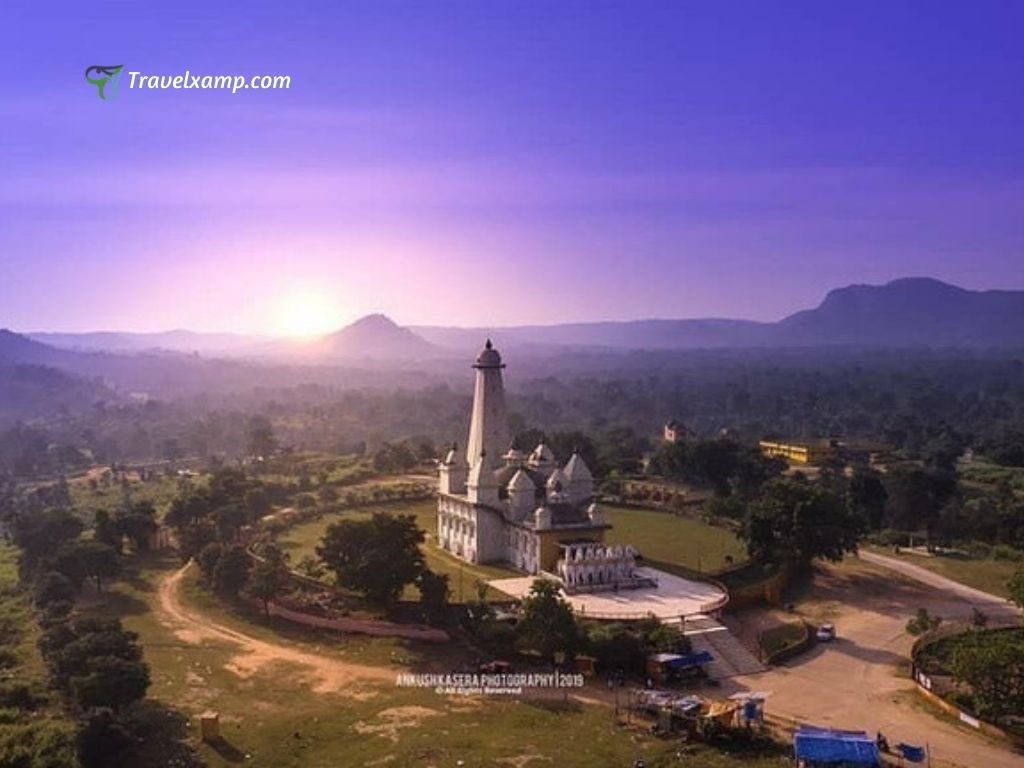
(375,320)
(916,311)
(376,336)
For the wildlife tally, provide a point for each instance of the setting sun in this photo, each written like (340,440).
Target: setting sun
(306,314)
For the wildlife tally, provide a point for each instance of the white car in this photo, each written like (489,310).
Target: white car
(826,633)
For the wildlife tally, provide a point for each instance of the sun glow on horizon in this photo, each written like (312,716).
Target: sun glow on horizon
(306,314)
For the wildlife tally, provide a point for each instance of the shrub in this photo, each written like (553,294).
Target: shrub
(923,622)
(1007,553)
(17,695)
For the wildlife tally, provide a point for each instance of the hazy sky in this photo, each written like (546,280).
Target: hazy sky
(492,163)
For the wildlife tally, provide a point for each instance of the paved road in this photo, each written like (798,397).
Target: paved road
(860,680)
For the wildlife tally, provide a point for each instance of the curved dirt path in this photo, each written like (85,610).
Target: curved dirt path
(330,674)
(985,601)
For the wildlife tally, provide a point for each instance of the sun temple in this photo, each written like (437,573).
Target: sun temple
(497,504)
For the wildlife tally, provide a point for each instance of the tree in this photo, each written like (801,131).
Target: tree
(103,740)
(434,595)
(40,533)
(111,682)
(377,557)
(261,439)
(232,571)
(229,520)
(208,558)
(795,522)
(108,642)
(615,647)
(269,576)
(992,664)
(54,587)
(138,523)
(915,497)
(1015,586)
(99,562)
(81,560)
(257,503)
(867,496)
(548,625)
(193,539)
(106,531)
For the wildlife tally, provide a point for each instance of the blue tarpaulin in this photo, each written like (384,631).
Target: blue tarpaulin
(827,746)
(911,753)
(691,660)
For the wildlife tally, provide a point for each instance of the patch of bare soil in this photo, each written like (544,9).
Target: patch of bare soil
(327,674)
(390,721)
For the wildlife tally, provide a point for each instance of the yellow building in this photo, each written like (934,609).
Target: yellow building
(798,453)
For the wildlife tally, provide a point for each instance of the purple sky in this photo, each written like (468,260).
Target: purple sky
(500,163)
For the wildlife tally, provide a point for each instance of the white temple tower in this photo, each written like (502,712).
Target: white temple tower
(488,429)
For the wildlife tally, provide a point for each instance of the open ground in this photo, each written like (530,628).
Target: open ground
(861,679)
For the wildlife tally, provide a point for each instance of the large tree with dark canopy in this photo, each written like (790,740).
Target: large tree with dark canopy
(793,521)
(377,557)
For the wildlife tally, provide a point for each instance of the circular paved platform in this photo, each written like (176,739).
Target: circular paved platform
(673,597)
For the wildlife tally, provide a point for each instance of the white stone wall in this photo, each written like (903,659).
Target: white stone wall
(473,532)
(523,549)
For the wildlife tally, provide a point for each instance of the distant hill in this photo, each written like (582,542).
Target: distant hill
(909,312)
(172,341)
(609,335)
(375,337)
(30,391)
(906,312)
(16,349)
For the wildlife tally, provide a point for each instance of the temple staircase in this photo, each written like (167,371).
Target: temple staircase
(731,657)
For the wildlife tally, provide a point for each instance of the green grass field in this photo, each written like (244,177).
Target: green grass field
(88,498)
(301,541)
(667,538)
(272,718)
(661,537)
(44,736)
(986,574)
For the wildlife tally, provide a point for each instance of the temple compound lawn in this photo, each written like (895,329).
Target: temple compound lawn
(661,537)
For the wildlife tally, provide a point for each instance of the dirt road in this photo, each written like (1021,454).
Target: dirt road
(986,602)
(328,674)
(860,680)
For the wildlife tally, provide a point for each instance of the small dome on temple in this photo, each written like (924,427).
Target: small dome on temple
(576,469)
(595,513)
(488,357)
(542,517)
(521,482)
(542,455)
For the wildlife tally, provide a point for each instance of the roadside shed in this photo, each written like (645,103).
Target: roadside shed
(832,747)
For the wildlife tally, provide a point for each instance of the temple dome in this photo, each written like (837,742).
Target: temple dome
(576,470)
(542,455)
(521,482)
(488,357)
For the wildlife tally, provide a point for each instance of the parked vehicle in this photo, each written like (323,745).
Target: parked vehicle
(826,633)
